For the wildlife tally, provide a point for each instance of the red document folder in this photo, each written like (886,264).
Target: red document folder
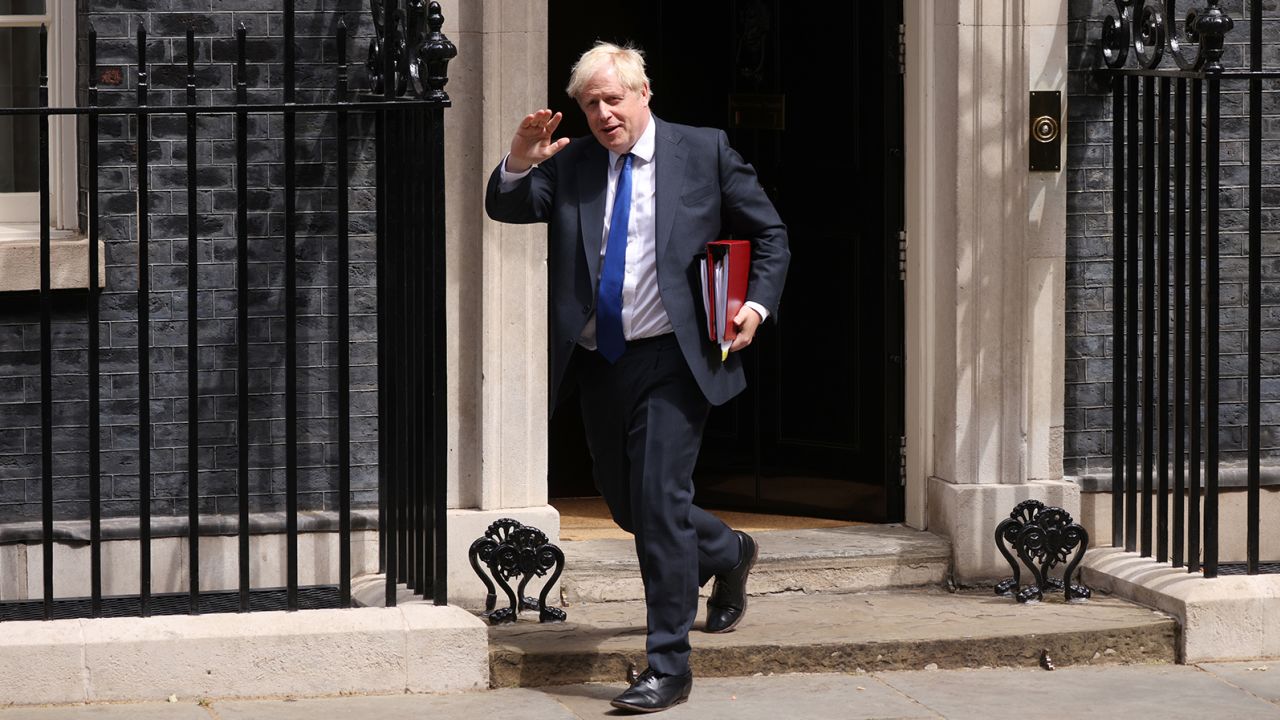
(725,270)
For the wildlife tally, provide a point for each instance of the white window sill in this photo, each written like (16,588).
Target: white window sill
(68,259)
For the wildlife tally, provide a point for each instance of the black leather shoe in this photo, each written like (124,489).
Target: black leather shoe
(652,692)
(728,601)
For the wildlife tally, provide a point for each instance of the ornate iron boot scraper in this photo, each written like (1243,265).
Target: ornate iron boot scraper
(1043,537)
(508,550)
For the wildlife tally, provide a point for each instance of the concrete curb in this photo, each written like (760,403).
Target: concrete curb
(1223,618)
(413,647)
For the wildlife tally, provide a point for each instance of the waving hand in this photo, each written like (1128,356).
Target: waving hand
(532,143)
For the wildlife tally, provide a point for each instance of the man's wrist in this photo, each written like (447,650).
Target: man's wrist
(515,167)
(760,309)
(508,179)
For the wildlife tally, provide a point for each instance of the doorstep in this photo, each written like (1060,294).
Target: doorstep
(842,559)
(922,628)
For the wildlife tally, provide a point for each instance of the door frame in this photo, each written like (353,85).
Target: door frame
(914,12)
(924,222)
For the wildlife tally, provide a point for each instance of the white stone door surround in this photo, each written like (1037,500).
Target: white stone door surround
(985,271)
(985,276)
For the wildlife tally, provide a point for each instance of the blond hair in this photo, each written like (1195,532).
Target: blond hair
(627,61)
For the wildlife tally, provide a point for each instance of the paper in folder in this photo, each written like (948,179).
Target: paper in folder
(725,269)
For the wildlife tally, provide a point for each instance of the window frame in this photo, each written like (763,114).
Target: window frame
(20,212)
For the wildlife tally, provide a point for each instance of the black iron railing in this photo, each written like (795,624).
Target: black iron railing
(408,72)
(412,57)
(1167,76)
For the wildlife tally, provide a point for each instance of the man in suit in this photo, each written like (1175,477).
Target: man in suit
(630,208)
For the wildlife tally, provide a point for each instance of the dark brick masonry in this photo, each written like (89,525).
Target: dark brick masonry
(116,22)
(1089,163)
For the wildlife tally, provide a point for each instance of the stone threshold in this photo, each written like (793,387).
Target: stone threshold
(841,559)
(841,632)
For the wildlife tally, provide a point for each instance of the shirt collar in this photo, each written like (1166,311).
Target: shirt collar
(643,149)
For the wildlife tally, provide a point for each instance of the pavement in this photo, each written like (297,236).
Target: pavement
(1229,690)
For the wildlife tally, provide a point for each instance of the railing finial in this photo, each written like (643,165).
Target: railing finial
(1212,26)
(419,51)
(437,51)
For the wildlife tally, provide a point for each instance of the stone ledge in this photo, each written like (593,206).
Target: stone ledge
(1222,618)
(412,648)
(1228,477)
(126,528)
(20,567)
(68,262)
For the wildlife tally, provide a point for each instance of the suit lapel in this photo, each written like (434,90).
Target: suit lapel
(593,180)
(671,160)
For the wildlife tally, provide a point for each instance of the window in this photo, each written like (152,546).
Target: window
(20,22)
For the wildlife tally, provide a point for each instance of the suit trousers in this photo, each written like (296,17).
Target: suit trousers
(644,417)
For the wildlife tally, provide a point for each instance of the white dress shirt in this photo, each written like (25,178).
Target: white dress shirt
(643,314)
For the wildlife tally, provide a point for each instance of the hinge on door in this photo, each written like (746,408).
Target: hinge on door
(902,255)
(902,460)
(902,49)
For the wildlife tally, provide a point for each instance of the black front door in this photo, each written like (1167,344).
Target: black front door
(811,95)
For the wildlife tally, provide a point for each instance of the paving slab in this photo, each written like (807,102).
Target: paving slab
(1260,677)
(812,697)
(129,711)
(899,630)
(841,559)
(489,704)
(1168,692)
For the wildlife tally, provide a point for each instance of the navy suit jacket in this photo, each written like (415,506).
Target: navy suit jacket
(705,191)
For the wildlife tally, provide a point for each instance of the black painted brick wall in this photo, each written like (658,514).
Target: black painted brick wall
(1089,244)
(116,22)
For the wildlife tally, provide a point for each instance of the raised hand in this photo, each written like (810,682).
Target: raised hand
(532,143)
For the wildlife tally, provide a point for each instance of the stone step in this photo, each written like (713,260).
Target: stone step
(840,632)
(843,559)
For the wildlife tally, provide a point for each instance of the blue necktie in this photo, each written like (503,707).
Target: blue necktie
(609,339)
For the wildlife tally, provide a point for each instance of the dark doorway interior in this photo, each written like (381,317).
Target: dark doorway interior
(811,95)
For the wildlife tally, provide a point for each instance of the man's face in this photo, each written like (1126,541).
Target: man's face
(617,116)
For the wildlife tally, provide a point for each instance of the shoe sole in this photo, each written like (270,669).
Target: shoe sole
(638,709)
(755,555)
